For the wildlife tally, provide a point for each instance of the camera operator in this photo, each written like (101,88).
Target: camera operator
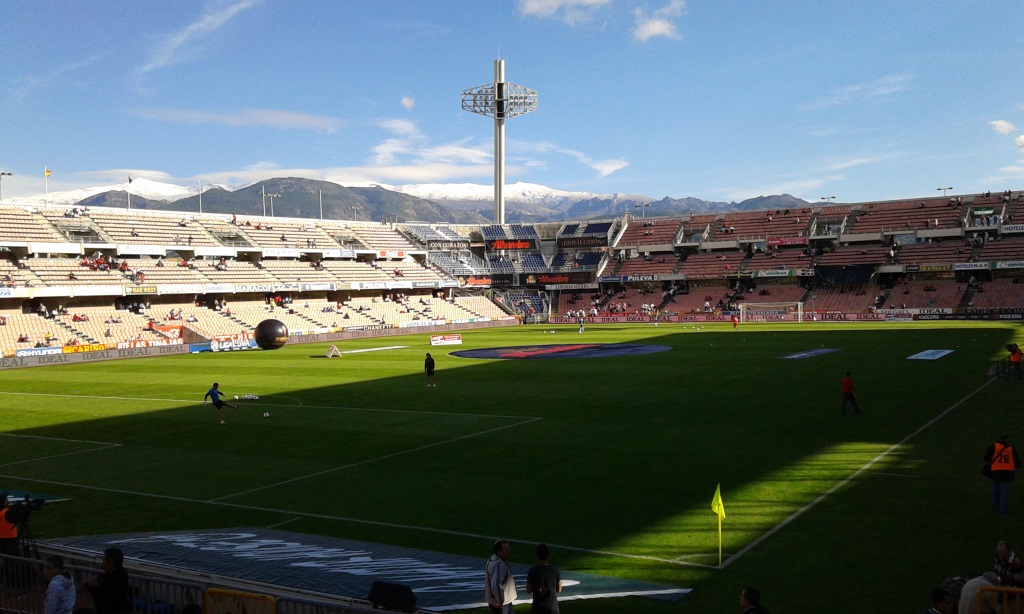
(1016,355)
(8,529)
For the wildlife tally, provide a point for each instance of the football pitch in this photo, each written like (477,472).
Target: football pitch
(611,460)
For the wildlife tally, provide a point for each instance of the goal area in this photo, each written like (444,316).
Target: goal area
(772,312)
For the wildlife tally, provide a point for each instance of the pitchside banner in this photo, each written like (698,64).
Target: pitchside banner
(445,339)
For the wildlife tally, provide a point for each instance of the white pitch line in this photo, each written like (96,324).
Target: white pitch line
(195,402)
(390,347)
(851,477)
(282,523)
(98,443)
(373,460)
(39,458)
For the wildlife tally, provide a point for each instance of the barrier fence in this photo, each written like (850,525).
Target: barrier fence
(23,591)
(1001,600)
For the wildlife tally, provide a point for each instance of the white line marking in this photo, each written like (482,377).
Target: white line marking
(197,402)
(850,477)
(299,401)
(282,523)
(39,458)
(98,443)
(374,460)
(390,347)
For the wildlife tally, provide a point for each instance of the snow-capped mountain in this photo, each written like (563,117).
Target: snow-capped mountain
(142,188)
(531,193)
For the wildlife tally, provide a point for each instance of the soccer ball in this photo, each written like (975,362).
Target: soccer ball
(236,397)
(266,414)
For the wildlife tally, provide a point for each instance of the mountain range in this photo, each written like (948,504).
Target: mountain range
(453,203)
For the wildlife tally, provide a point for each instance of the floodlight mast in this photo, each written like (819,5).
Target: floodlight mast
(501,101)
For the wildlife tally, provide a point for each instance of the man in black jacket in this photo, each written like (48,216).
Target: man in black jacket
(110,591)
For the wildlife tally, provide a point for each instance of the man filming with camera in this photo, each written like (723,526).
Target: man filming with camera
(1016,355)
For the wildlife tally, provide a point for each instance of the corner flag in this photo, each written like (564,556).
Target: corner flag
(718,507)
(716,504)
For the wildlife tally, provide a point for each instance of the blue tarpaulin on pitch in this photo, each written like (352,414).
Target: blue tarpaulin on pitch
(342,567)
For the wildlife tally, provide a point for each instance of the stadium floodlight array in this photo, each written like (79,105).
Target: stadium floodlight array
(501,101)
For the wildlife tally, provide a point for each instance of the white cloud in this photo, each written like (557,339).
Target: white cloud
(408,102)
(659,23)
(1019,141)
(861,92)
(271,118)
(568,11)
(1002,126)
(62,76)
(401,127)
(603,167)
(862,161)
(178,47)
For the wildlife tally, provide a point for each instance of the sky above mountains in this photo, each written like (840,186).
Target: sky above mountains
(715,99)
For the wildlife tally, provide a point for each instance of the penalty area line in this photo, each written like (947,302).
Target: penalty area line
(851,477)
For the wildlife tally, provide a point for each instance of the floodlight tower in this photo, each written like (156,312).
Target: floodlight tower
(501,101)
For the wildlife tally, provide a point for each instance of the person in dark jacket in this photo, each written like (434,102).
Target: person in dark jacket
(110,591)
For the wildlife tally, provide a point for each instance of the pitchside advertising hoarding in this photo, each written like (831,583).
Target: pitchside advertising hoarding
(446,340)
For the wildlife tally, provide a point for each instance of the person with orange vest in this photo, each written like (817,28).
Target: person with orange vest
(1001,462)
(1016,355)
(8,530)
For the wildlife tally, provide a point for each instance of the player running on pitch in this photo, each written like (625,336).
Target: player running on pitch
(214,395)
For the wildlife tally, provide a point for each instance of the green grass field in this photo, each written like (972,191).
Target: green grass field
(614,461)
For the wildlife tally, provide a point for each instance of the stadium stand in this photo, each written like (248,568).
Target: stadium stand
(1008,248)
(650,232)
(710,265)
(933,253)
(656,264)
(852,298)
(925,294)
(905,215)
(999,294)
(21,224)
(791,258)
(855,254)
(762,224)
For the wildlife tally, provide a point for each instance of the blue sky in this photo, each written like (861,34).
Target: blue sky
(722,100)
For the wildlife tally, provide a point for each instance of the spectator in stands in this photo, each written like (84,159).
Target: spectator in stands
(1002,462)
(183,223)
(750,597)
(109,333)
(110,591)
(134,232)
(23,338)
(60,589)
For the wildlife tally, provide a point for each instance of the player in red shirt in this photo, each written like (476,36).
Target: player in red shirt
(849,393)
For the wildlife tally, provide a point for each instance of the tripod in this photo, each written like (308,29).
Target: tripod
(27,541)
